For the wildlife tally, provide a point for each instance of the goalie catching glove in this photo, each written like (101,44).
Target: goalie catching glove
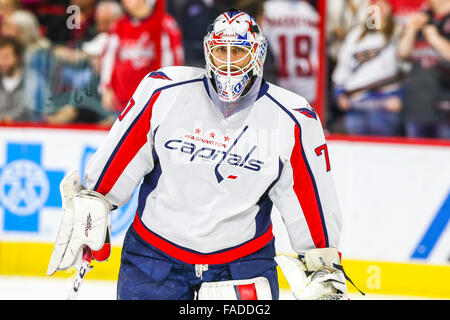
(317,275)
(85,225)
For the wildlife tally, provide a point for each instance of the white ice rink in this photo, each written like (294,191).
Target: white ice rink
(46,288)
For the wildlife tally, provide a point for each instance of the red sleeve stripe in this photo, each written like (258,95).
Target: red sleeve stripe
(306,190)
(305,186)
(188,256)
(127,148)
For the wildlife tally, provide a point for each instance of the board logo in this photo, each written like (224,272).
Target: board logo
(24,187)
(27,187)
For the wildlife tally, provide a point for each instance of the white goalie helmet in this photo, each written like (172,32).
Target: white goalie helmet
(235,50)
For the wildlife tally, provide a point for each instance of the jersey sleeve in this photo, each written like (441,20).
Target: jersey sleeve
(126,156)
(305,193)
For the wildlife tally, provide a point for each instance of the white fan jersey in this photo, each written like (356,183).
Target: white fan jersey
(292,31)
(209,182)
(368,61)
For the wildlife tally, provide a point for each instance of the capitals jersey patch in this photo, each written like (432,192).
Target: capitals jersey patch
(307,112)
(159,75)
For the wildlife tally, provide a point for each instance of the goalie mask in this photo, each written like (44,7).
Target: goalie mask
(235,50)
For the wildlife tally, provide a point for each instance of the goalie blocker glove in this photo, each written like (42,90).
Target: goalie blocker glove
(85,224)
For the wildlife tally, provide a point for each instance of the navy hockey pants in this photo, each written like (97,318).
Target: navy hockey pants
(150,274)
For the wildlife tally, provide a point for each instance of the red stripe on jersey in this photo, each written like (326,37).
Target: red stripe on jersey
(306,195)
(247,291)
(129,147)
(198,258)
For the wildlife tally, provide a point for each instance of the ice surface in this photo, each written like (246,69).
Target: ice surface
(51,288)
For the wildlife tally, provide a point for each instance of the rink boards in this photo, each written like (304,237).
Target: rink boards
(394,197)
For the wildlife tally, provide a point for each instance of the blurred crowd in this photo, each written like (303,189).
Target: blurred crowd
(389,67)
(79,61)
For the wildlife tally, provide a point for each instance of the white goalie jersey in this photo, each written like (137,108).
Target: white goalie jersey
(208,182)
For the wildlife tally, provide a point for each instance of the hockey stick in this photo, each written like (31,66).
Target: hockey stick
(81,273)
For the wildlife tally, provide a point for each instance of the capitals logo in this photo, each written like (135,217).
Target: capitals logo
(214,153)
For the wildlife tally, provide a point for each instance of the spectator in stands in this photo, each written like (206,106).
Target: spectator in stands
(67,22)
(24,26)
(144,40)
(292,31)
(367,77)
(107,12)
(74,95)
(404,8)
(426,42)
(195,17)
(6,8)
(53,16)
(12,81)
(76,74)
(343,16)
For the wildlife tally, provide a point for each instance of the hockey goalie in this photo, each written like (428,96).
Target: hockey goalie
(213,150)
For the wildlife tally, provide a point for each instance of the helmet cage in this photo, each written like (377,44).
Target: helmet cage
(231,79)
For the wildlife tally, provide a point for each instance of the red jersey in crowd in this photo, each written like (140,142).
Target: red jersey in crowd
(137,47)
